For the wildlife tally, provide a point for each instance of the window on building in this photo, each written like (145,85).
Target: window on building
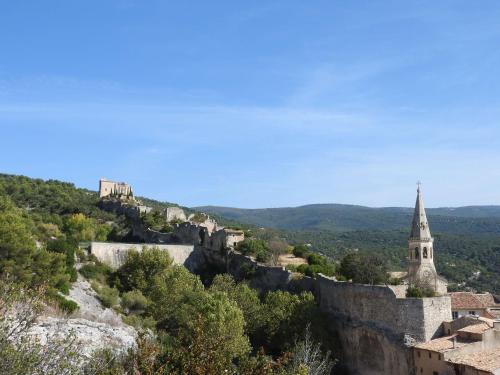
(425,252)
(418,353)
(430,355)
(454,314)
(472,313)
(416,253)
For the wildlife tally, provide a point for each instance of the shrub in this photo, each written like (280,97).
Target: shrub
(395,281)
(317,264)
(247,271)
(262,257)
(134,301)
(63,286)
(139,322)
(64,304)
(300,251)
(67,305)
(251,246)
(97,271)
(73,274)
(292,267)
(416,292)
(316,259)
(108,296)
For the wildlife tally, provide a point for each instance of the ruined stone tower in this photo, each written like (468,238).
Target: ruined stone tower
(421,270)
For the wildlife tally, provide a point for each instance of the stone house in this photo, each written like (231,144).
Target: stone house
(471,346)
(466,303)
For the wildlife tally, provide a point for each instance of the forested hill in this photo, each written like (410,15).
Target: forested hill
(467,238)
(340,217)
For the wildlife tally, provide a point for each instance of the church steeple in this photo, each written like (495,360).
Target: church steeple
(421,270)
(420,227)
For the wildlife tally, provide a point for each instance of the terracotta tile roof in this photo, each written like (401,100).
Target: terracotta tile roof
(494,313)
(487,299)
(476,328)
(441,344)
(488,360)
(467,300)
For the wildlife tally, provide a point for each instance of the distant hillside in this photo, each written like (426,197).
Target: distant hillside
(467,238)
(340,217)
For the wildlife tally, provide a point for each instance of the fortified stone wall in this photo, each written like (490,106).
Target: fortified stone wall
(115,254)
(174,213)
(373,324)
(418,318)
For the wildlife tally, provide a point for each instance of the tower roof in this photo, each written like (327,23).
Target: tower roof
(419,226)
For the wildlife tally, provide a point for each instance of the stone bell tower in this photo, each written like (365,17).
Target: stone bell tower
(421,270)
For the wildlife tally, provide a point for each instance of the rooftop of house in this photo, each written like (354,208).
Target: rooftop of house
(487,360)
(471,301)
(494,313)
(476,328)
(442,344)
(458,339)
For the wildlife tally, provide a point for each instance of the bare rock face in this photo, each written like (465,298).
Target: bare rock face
(88,335)
(93,327)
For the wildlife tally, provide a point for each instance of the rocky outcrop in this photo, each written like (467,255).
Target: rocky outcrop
(93,327)
(89,335)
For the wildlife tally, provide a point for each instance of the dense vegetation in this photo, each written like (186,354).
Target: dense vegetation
(466,261)
(226,327)
(467,248)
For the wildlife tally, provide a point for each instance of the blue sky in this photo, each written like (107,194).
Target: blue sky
(257,103)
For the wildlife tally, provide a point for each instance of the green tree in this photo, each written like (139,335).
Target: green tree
(17,246)
(285,318)
(245,298)
(80,228)
(141,268)
(364,268)
(256,247)
(168,291)
(210,334)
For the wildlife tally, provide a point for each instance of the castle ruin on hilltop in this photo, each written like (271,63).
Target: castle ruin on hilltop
(112,188)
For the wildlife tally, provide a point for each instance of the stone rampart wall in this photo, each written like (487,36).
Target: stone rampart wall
(373,324)
(114,254)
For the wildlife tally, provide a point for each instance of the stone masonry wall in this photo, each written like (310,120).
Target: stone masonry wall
(373,324)
(114,254)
